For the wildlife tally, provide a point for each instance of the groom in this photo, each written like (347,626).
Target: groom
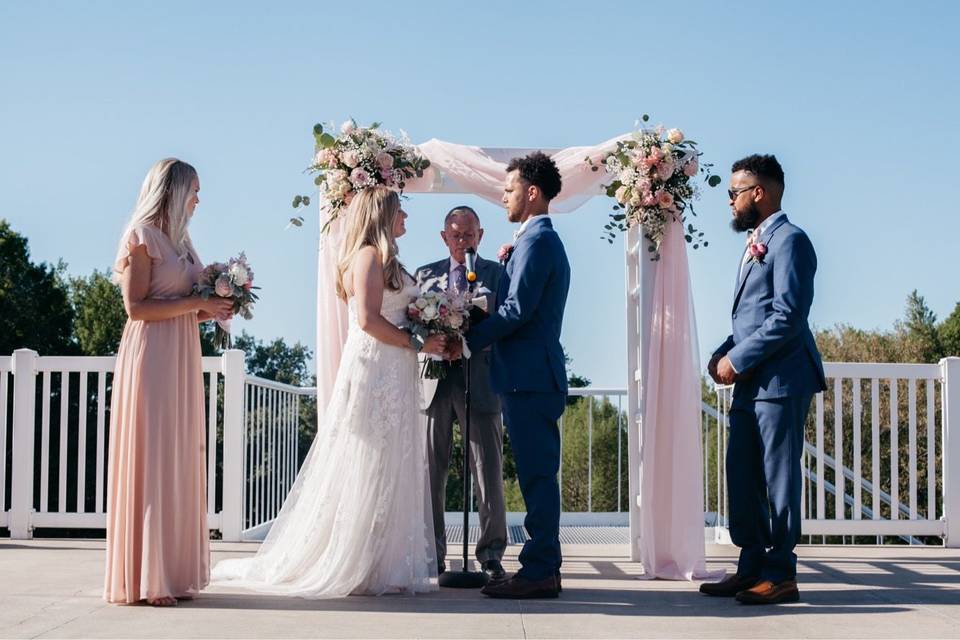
(773,359)
(527,367)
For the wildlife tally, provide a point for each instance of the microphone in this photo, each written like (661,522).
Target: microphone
(470,262)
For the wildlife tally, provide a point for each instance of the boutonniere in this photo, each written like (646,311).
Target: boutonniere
(504,254)
(758,250)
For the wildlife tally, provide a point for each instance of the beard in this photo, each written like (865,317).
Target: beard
(747,220)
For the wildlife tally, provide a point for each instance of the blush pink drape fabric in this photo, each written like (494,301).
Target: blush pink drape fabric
(671,461)
(672,534)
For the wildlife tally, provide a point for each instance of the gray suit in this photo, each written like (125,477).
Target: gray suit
(443,403)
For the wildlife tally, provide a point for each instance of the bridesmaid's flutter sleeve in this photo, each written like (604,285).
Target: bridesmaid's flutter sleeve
(135,237)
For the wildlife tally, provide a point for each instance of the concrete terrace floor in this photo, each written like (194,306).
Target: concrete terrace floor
(51,589)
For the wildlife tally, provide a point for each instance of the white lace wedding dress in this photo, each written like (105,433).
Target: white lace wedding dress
(358,519)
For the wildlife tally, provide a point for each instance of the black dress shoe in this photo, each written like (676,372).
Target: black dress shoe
(519,588)
(559,584)
(494,570)
(729,586)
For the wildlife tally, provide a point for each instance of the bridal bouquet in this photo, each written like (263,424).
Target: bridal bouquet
(653,183)
(447,313)
(233,279)
(358,158)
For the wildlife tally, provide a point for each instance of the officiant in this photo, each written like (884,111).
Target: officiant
(443,401)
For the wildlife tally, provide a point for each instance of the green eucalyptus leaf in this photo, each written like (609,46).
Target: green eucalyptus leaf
(713,181)
(327,140)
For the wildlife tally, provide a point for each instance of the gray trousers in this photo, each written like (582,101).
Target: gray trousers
(486,467)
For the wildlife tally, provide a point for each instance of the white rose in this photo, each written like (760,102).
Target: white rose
(455,320)
(429,312)
(421,303)
(347,127)
(239,275)
(675,136)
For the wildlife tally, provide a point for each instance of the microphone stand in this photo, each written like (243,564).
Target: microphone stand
(465,579)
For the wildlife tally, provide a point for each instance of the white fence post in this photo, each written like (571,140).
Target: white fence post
(951,450)
(234,374)
(24,414)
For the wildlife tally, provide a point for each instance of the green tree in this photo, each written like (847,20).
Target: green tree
(99,313)
(919,330)
(35,311)
(949,331)
(274,360)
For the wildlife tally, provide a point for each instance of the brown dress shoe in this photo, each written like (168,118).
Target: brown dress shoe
(766,592)
(729,586)
(520,588)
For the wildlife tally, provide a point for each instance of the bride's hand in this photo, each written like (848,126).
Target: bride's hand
(435,344)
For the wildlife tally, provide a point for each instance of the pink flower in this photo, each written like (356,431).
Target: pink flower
(413,312)
(385,160)
(757,251)
(653,158)
(504,253)
(649,200)
(691,167)
(675,136)
(387,175)
(359,177)
(223,286)
(664,199)
(347,127)
(351,159)
(665,169)
(444,310)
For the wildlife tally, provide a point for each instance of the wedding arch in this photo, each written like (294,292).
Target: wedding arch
(663,398)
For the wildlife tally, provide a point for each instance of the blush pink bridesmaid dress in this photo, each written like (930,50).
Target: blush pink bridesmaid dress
(157,536)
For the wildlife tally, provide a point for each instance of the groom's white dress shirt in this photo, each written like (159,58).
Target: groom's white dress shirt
(526,223)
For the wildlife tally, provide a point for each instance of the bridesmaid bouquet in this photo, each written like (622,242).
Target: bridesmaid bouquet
(447,313)
(233,279)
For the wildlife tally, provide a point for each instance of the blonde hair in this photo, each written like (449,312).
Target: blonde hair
(162,203)
(369,223)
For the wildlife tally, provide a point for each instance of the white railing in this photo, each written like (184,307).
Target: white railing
(871,466)
(61,417)
(56,410)
(272,450)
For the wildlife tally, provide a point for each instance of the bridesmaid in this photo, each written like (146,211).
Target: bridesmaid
(157,537)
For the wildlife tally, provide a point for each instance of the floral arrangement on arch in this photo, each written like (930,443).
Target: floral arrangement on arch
(358,158)
(653,183)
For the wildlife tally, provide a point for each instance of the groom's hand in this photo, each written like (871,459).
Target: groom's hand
(726,374)
(712,368)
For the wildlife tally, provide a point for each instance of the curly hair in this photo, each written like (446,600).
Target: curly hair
(764,167)
(539,170)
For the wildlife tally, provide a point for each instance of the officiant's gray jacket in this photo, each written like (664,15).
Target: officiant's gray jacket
(430,277)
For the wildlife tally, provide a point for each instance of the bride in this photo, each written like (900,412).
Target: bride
(356,520)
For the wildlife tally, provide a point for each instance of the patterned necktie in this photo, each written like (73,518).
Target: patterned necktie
(460,278)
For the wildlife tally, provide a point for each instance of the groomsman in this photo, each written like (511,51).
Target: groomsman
(773,360)
(444,401)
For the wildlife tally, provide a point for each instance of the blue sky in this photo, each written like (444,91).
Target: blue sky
(858,100)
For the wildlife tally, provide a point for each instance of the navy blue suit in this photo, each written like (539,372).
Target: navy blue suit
(773,349)
(527,370)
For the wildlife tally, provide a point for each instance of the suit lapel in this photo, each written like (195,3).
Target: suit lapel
(764,239)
